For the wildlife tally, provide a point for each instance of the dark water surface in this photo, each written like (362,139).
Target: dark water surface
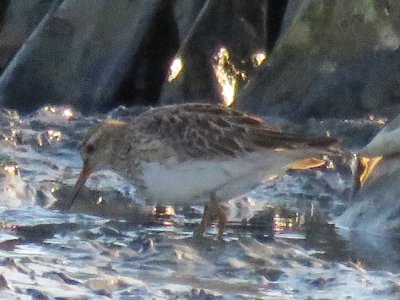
(111,245)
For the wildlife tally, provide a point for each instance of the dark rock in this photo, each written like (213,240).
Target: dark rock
(36,294)
(61,277)
(224,34)
(79,54)
(330,62)
(142,244)
(4,284)
(17,21)
(39,233)
(262,223)
(325,59)
(270,274)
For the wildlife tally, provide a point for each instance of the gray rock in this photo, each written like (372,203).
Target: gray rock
(78,54)
(331,59)
(17,21)
(334,59)
(375,208)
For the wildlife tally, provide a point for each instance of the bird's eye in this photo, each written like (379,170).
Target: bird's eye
(90,149)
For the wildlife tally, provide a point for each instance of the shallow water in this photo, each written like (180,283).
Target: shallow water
(112,245)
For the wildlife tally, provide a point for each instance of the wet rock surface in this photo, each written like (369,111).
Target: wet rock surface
(280,241)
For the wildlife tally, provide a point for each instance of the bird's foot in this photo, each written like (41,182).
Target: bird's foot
(213,210)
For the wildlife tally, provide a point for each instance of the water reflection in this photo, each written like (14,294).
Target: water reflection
(175,69)
(259,58)
(277,245)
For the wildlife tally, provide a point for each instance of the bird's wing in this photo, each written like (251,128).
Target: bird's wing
(201,130)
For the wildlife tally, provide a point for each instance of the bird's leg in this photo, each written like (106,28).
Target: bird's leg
(208,217)
(212,210)
(220,211)
(222,219)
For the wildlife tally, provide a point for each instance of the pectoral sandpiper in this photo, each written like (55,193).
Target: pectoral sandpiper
(191,153)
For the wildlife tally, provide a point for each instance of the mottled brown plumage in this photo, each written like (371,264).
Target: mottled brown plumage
(193,152)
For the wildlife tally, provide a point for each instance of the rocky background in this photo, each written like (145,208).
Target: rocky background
(313,64)
(292,59)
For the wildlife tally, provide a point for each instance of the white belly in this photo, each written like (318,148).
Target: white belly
(194,181)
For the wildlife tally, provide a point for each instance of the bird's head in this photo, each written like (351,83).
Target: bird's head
(97,151)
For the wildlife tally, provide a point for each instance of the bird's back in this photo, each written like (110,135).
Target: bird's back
(197,131)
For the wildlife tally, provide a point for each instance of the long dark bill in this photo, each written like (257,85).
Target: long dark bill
(83,176)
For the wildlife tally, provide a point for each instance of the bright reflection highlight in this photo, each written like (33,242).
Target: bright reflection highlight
(175,69)
(11,169)
(164,211)
(368,164)
(259,58)
(49,109)
(227,76)
(54,135)
(68,114)
(379,121)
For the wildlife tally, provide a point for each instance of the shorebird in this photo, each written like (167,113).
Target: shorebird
(193,153)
